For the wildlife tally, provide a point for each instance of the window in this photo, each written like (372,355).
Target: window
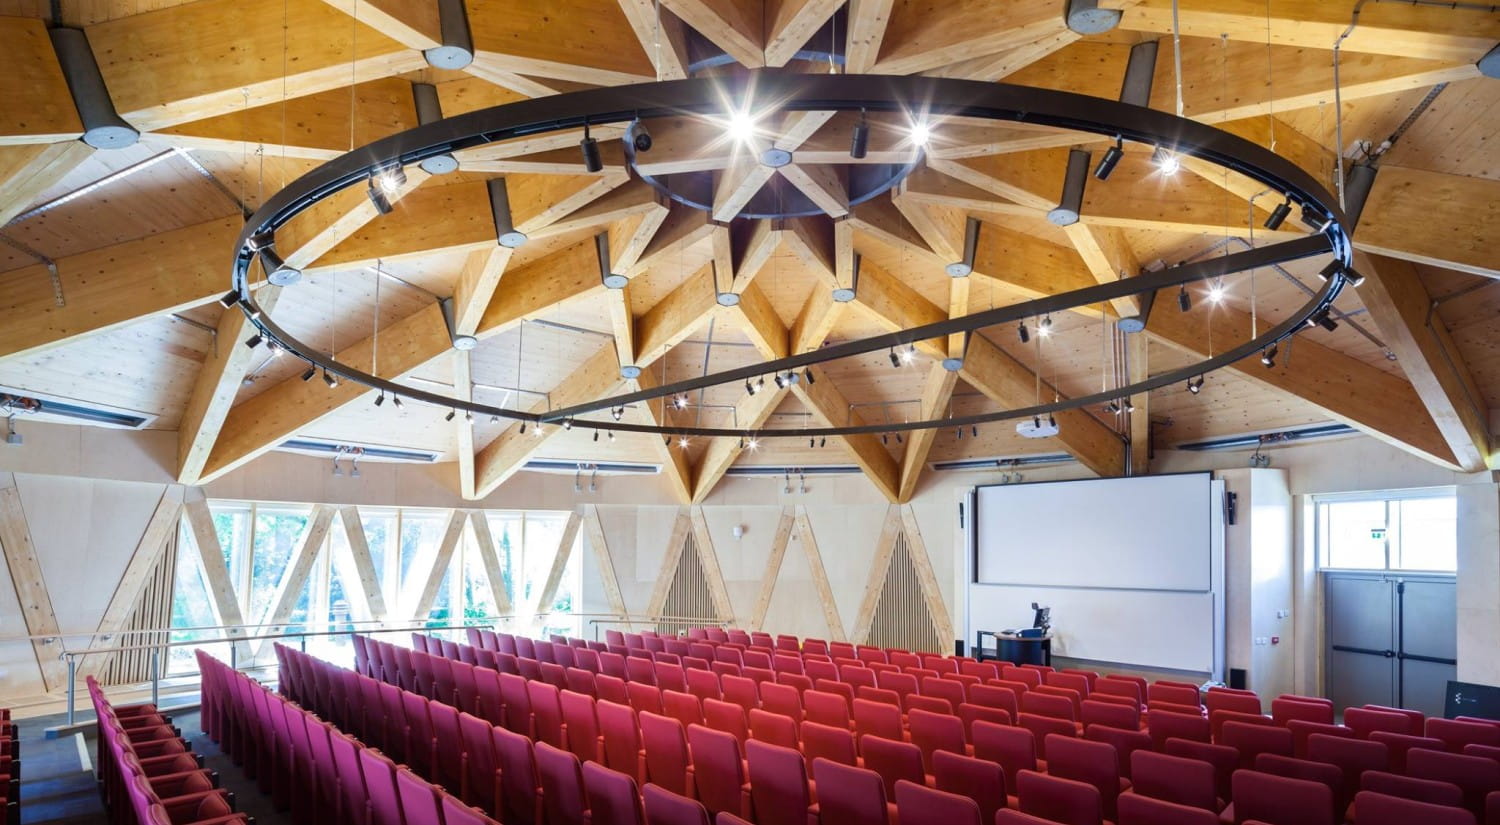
(1409,530)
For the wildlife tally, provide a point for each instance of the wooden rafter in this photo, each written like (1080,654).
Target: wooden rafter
(733,25)
(604,563)
(674,461)
(28,171)
(1403,310)
(226,603)
(484,543)
(289,588)
(772,571)
(662,585)
(452,532)
(560,559)
(937,389)
(942,620)
(463,428)
(364,563)
(709,559)
(1432,218)
(880,568)
(31,588)
(830,607)
(137,572)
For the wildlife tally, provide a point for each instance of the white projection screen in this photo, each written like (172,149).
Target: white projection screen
(1131,567)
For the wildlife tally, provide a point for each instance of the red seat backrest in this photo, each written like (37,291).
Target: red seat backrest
(835,744)
(1379,809)
(1282,800)
(1176,779)
(1013,749)
(917,804)
(778,784)
(893,759)
(1060,800)
(849,794)
(718,772)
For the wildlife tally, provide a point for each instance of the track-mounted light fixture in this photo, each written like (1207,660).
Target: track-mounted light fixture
(1268,356)
(449,416)
(523,428)
(1278,215)
(1334,268)
(330,379)
(253,341)
(1166,161)
(430,110)
(1323,318)
(229,299)
(396,402)
(506,233)
(380,399)
(1110,160)
(1112,408)
(1044,326)
(780,382)
(1021,331)
(682,443)
(637,136)
(308,373)
(808,374)
(567,423)
(1184,300)
(895,359)
(617,413)
(592,162)
(859,139)
(749,387)
(596,436)
(378,198)
(1195,385)
(680,402)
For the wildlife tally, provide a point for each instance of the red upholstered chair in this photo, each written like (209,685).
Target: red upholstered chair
(419,799)
(857,676)
(1164,725)
(380,782)
(641,670)
(684,707)
(1303,730)
(1043,726)
(1219,718)
(1284,709)
(448,756)
(546,710)
(1072,681)
(1401,744)
(1281,800)
(1026,676)
(668,763)
(901,658)
(612,689)
(842,689)
(1176,693)
(978,779)
(703,684)
(1379,809)
(878,719)
(1011,816)
(970,714)
(1475,775)
(663,807)
(582,724)
(836,744)
(1363,721)
(1083,761)
(944,689)
(1221,699)
(481,772)
(1060,800)
(1253,740)
(934,732)
(1175,779)
(983,670)
(773,728)
(893,760)
(782,699)
(826,709)
(1430,791)
(849,795)
(1125,743)
(1126,717)
(1487,751)
(718,771)
(815,670)
(1224,760)
(1458,733)
(1352,756)
(519,792)
(582,681)
(1013,749)
(561,779)
(741,690)
(455,812)
(917,804)
(1043,704)
(1321,772)
(995,697)
(778,785)
(1415,719)
(931,704)
(727,717)
(904,684)
(1143,810)
(939,663)
(644,697)
(612,796)
(621,739)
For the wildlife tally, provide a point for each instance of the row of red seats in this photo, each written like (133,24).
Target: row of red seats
(10,769)
(147,773)
(313,769)
(1250,757)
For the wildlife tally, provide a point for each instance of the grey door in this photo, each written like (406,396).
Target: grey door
(1427,642)
(1360,632)
(1391,640)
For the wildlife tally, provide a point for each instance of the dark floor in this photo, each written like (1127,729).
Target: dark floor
(57,787)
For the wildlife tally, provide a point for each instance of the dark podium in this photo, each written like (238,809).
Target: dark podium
(1013,648)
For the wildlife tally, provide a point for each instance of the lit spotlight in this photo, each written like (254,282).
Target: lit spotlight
(680,402)
(1268,356)
(909,354)
(920,133)
(1044,327)
(1195,385)
(567,423)
(682,443)
(780,382)
(1215,293)
(1166,162)
(741,126)
(391,179)
(753,444)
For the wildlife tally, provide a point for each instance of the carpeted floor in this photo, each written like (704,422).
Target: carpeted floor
(57,779)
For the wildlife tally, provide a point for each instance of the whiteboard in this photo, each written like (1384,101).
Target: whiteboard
(1124,589)
(1148,532)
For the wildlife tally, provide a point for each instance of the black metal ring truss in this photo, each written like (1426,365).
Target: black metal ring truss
(921,96)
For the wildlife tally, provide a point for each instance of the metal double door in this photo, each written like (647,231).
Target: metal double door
(1390,639)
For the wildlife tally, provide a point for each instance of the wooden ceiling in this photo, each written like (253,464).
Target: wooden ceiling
(234,98)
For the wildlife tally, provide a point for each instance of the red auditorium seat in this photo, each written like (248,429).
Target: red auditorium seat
(836,744)
(664,807)
(1175,779)
(1125,717)
(1476,775)
(1225,760)
(612,798)
(917,804)
(1321,772)
(1401,744)
(840,688)
(622,739)
(612,689)
(684,707)
(1093,763)
(718,771)
(727,717)
(1363,721)
(1252,740)
(1013,749)
(546,714)
(849,795)
(519,787)
(1379,809)
(773,728)
(877,719)
(944,689)
(970,714)
(826,708)
(1280,800)
(781,699)
(983,670)
(778,785)
(1143,810)
(1352,756)
(893,760)
(1125,743)
(448,752)
(481,774)
(1303,730)
(1431,791)
(1416,720)
(1026,676)
(1164,725)
(1285,708)
(978,779)
(1043,704)
(1176,693)
(561,777)
(995,697)
(1221,699)
(582,724)
(933,732)
(455,812)
(667,761)
(1060,800)
(420,743)
(380,781)
(1011,816)
(1457,733)
(1071,681)
(1112,686)
(1043,726)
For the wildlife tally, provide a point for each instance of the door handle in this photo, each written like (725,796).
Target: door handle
(1386,654)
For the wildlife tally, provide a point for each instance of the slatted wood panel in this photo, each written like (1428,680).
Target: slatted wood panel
(152,610)
(689,594)
(902,618)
